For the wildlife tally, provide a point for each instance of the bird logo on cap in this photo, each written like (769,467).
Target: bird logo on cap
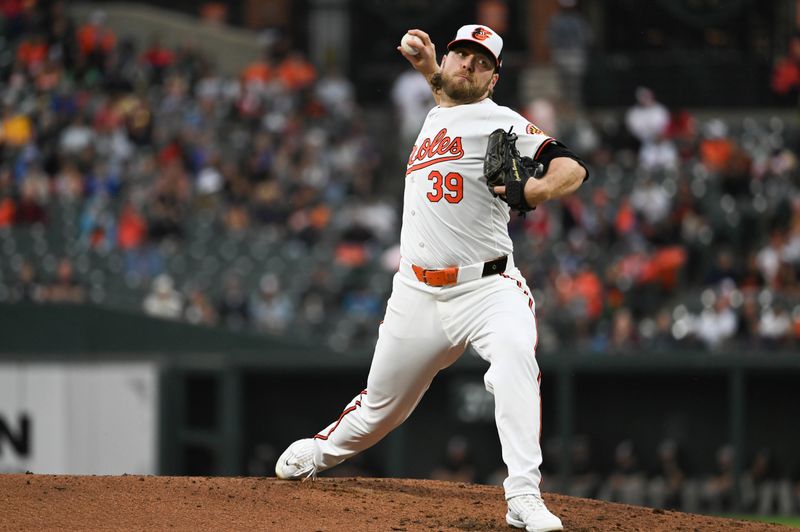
(481,34)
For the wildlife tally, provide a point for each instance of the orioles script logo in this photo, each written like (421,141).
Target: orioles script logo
(441,148)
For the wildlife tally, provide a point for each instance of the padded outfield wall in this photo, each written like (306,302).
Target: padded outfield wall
(224,403)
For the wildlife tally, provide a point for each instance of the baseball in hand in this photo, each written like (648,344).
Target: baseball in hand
(411,44)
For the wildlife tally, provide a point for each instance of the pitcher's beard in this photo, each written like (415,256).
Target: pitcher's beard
(461,92)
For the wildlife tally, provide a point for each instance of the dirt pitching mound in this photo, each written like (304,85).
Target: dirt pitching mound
(132,502)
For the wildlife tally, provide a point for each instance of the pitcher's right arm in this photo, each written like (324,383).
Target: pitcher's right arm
(425,61)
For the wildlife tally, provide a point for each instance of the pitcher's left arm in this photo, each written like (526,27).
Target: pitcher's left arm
(564,173)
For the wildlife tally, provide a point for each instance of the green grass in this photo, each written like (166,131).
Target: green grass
(793,521)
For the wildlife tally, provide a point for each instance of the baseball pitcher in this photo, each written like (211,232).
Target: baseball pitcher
(472,164)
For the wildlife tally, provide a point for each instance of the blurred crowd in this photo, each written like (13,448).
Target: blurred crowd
(138,155)
(661,477)
(686,235)
(138,175)
(658,478)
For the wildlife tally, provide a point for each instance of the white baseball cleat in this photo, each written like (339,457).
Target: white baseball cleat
(297,461)
(530,513)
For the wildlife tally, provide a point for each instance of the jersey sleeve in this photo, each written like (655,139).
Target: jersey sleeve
(530,139)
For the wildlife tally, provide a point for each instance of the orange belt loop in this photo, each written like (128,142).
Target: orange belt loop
(419,272)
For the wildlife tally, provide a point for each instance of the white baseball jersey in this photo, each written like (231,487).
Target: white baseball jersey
(451,219)
(449,216)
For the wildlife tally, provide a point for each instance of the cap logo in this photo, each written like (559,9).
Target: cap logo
(481,34)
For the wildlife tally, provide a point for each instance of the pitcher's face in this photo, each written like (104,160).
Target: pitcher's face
(468,74)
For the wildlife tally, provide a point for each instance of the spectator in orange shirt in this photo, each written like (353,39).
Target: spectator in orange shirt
(587,286)
(261,71)
(132,227)
(717,147)
(7,210)
(625,219)
(786,74)
(32,53)
(582,294)
(295,72)
(95,41)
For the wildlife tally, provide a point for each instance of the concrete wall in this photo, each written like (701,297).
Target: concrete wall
(231,49)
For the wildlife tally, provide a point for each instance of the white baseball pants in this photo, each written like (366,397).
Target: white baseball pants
(425,330)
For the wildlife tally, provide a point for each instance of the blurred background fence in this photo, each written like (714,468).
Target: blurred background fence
(199,220)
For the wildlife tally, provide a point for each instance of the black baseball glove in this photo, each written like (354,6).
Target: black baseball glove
(503,166)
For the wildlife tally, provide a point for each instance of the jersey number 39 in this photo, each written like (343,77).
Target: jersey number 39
(449,187)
